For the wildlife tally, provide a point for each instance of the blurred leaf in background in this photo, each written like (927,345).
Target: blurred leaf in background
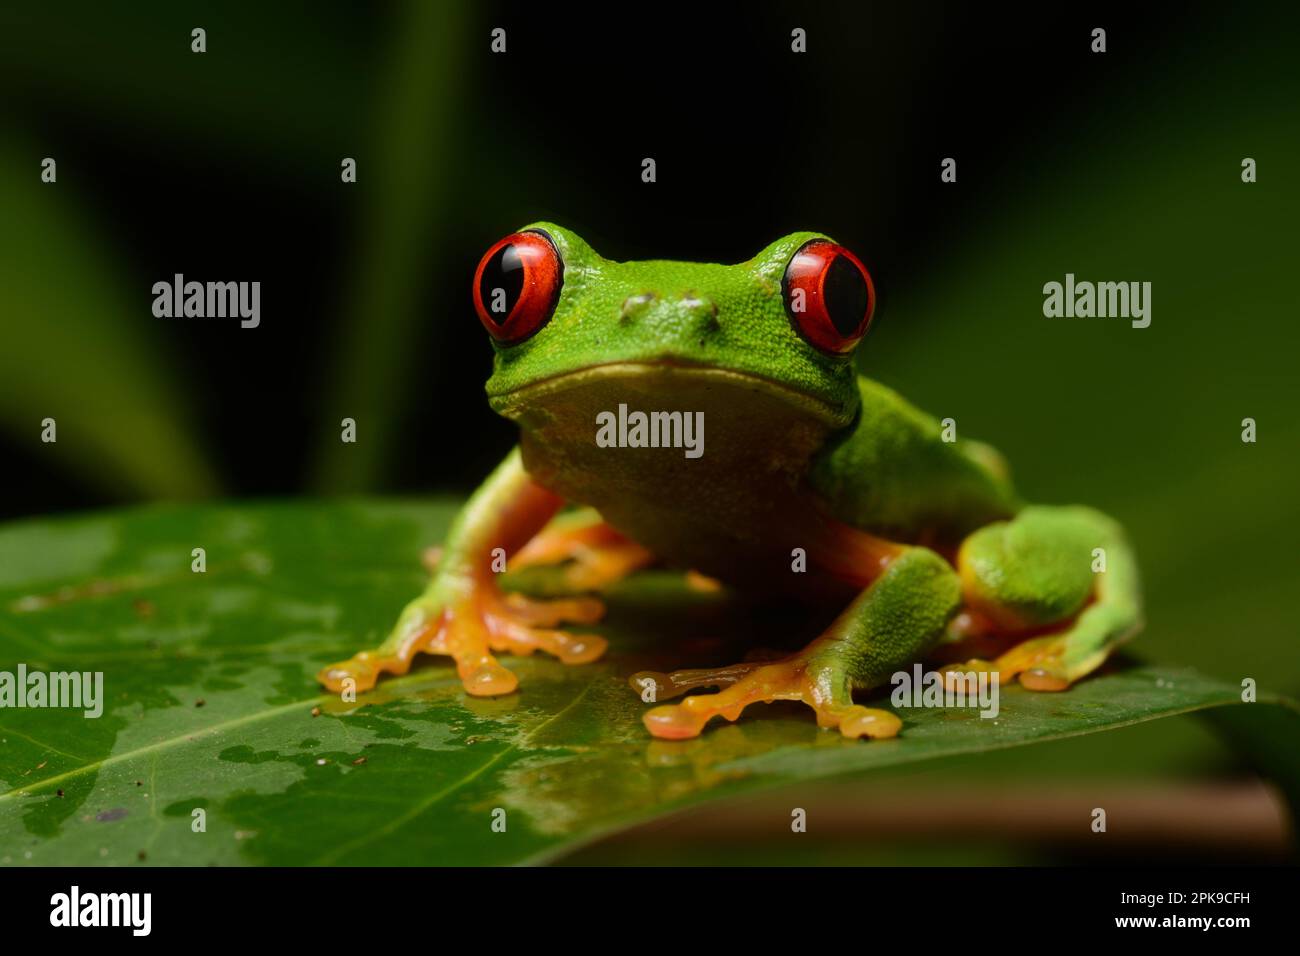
(77,349)
(409,165)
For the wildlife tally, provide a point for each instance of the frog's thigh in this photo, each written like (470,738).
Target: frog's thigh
(1042,569)
(888,626)
(1030,572)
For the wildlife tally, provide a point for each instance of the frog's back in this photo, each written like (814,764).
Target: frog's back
(892,474)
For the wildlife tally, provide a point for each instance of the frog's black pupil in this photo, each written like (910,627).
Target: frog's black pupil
(845,293)
(505,271)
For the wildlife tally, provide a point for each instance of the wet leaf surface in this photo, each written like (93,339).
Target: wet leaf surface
(210,702)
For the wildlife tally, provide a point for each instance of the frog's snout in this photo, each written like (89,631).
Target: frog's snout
(686,312)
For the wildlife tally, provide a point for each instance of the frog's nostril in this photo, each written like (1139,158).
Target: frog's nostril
(704,312)
(635,306)
(668,317)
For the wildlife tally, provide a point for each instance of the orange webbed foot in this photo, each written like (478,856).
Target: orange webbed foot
(795,678)
(468,628)
(1041,663)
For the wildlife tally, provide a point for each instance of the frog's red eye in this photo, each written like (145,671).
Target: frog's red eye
(517,285)
(828,296)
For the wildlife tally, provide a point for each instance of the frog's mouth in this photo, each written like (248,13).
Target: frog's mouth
(676,383)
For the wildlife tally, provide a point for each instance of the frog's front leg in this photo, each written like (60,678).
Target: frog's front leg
(463,613)
(891,624)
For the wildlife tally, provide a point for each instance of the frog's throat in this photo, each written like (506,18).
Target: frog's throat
(516,401)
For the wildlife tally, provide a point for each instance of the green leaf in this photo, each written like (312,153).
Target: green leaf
(85,352)
(209,696)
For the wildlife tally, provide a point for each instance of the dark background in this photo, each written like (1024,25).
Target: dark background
(230,170)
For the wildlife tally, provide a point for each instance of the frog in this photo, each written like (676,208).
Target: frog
(810,480)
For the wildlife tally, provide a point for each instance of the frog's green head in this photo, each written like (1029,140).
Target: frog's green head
(785,323)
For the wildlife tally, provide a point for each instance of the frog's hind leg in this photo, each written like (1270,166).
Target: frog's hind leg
(593,553)
(891,624)
(1064,569)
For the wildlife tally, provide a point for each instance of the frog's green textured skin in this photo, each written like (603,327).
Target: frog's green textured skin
(919,539)
(732,317)
(605,314)
(919,481)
